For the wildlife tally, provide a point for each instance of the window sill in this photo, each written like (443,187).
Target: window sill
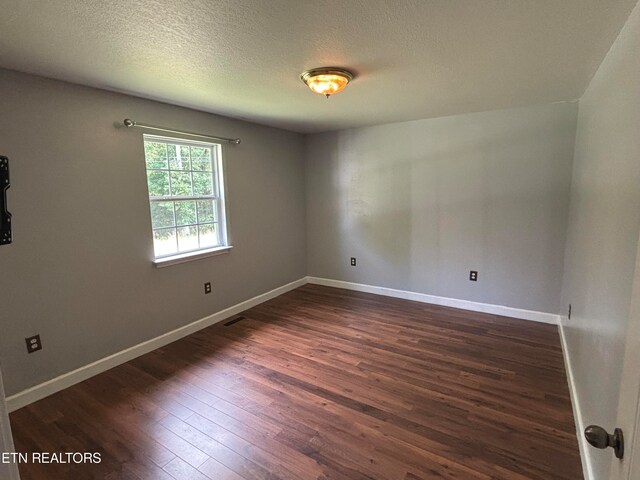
(190,257)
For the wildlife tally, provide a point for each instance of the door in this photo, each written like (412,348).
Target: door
(629,405)
(7,471)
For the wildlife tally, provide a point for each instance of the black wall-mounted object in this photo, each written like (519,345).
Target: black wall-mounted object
(5,216)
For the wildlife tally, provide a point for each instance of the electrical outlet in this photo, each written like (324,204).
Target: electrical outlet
(353,261)
(569,315)
(33,344)
(473,276)
(207,288)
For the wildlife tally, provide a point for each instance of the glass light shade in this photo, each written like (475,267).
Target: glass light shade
(326,81)
(327,84)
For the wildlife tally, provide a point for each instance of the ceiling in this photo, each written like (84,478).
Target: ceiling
(413,58)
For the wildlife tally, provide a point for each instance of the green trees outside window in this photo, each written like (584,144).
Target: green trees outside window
(185,195)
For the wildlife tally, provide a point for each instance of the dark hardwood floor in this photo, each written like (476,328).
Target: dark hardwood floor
(323,383)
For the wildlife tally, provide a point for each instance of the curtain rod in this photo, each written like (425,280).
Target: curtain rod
(130,123)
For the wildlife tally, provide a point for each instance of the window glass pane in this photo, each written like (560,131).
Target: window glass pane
(179,168)
(201,158)
(208,236)
(155,155)
(202,183)
(158,182)
(206,211)
(164,242)
(180,158)
(162,214)
(171,150)
(187,238)
(181,184)
(185,213)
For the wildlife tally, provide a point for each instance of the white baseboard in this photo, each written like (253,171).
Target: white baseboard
(38,392)
(443,301)
(585,452)
(66,380)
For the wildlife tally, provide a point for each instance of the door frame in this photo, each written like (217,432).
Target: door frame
(6,438)
(634,460)
(628,415)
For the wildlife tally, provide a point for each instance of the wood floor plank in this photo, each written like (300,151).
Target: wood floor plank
(244,463)
(323,384)
(179,469)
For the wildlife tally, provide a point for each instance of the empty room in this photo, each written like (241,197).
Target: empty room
(320,240)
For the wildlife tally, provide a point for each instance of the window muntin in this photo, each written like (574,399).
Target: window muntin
(186,195)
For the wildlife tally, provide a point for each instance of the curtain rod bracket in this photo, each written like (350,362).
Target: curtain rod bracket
(127,122)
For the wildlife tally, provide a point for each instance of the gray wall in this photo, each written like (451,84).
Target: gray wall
(79,272)
(604,225)
(422,203)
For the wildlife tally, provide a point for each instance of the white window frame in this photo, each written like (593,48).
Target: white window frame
(218,195)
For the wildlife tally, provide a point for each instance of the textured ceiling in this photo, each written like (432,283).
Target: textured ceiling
(413,59)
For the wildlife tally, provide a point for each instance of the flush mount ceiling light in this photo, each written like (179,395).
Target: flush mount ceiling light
(326,80)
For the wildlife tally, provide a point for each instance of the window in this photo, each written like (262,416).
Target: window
(186,197)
